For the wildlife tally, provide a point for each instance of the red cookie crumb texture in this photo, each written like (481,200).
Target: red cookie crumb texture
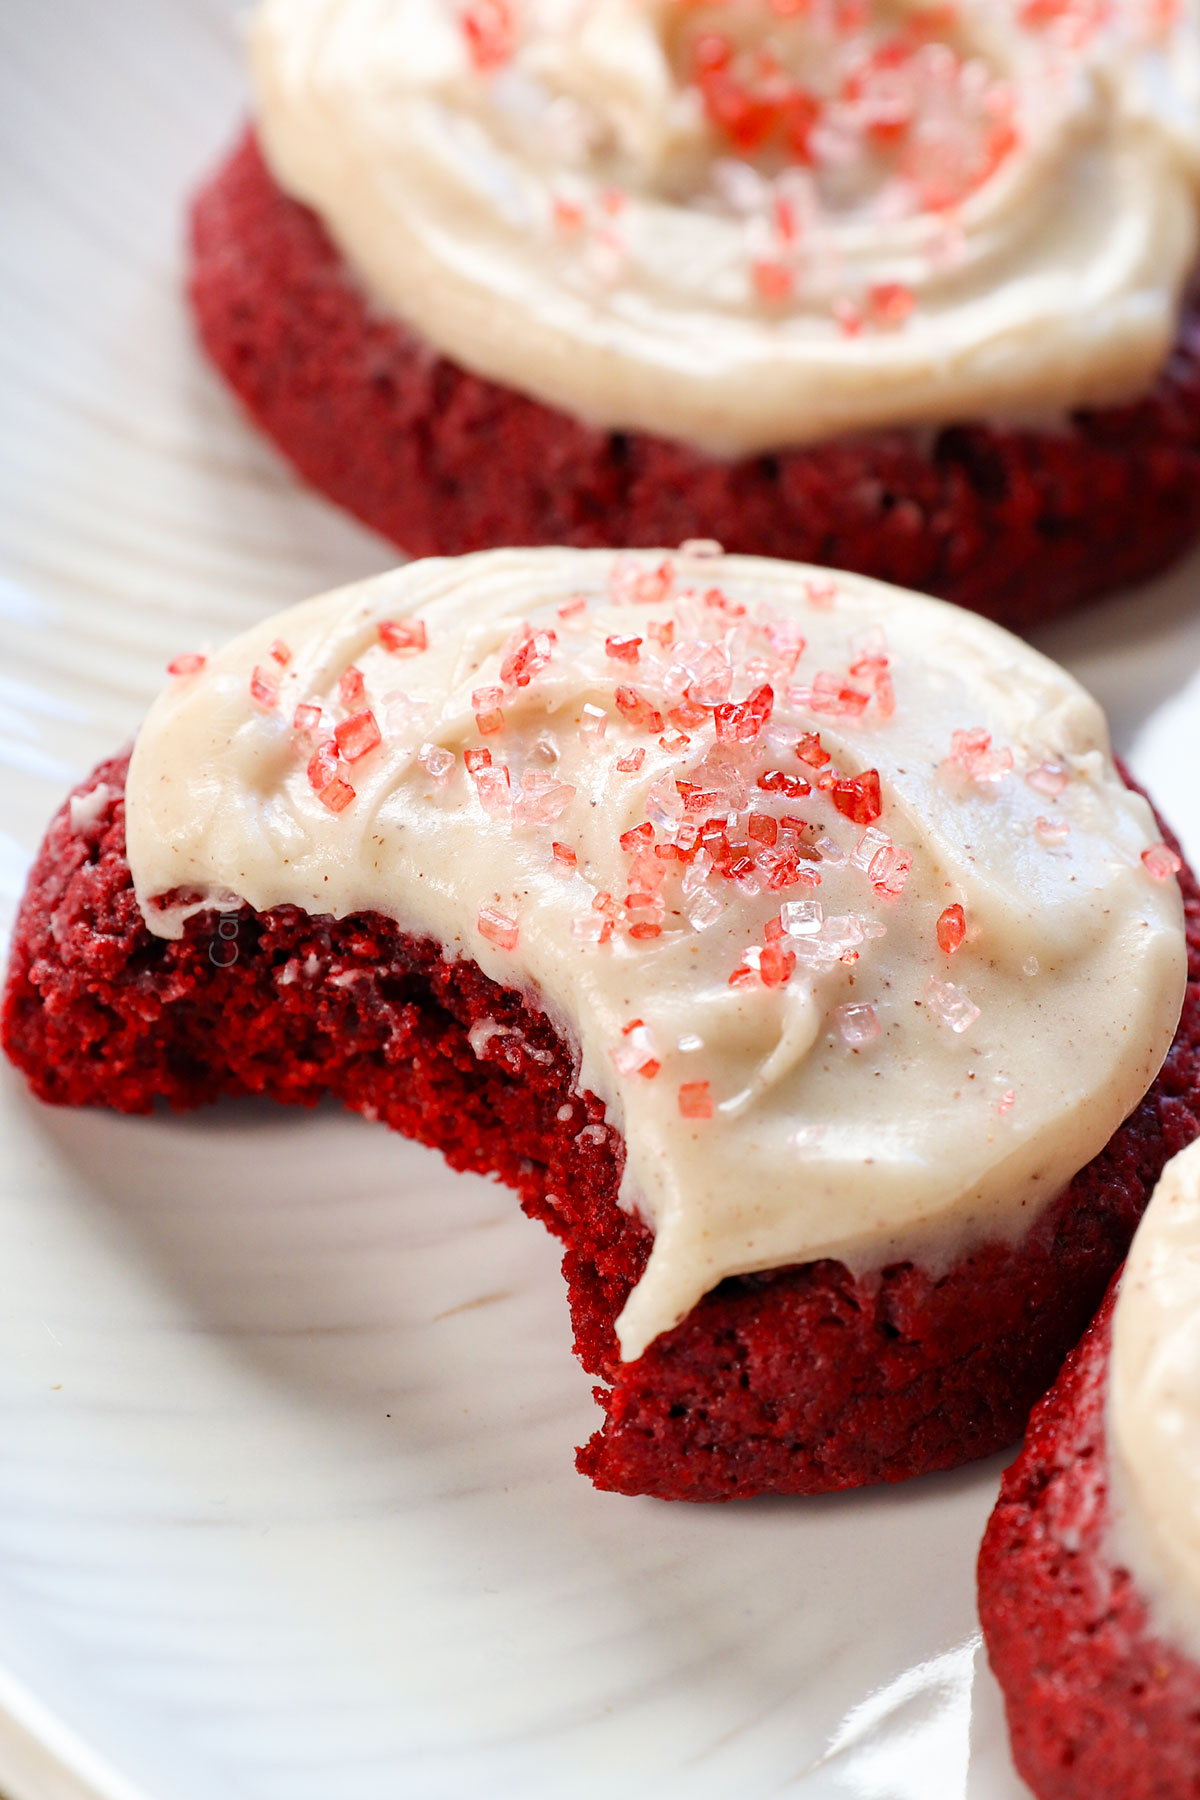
(1099,1707)
(1017,524)
(798,1381)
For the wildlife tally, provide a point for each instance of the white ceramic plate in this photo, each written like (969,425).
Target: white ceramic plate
(287,1509)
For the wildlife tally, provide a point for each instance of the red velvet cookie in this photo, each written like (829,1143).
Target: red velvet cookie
(1099,1706)
(1019,524)
(800,1380)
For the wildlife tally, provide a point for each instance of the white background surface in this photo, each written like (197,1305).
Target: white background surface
(287,1509)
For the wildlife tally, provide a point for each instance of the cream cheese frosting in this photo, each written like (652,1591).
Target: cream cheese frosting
(749,225)
(1153,1404)
(861,938)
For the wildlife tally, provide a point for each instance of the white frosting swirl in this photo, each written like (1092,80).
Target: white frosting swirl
(1153,1418)
(577,223)
(874,1095)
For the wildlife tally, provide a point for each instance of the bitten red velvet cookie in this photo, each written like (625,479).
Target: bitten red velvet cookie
(1087,1578)
(909,298)
(789,943)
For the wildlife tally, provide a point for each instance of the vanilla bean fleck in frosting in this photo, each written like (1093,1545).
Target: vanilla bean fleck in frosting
(751,224)
(861,938)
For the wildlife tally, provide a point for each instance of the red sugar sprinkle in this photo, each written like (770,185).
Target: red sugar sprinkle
(352,690)
(490,31)
(358,736)
(499,928)
(336,795)
(695,1100)
(629,765)
(774,781)
(477,759)
(306,718)
(637,711)
(564,855)
(636,836)
(189,663)
(264,688)
(847,317)
(280,653)
(623,649)
(1161,862)
(526,653)
(568,218)
(951,929)
(645,931)
(858,798)
(742,723)
(810,753)
(776,965)
(687,715)
(403,637)
(762,828)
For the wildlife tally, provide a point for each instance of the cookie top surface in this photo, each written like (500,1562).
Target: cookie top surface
(862,938)
(749,225)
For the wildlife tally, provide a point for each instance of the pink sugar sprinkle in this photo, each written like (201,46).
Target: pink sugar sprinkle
(951,929)
(701,547)
(820,594)
(622,648)
(972,751)
(1052,832)
(403,637)
(712,677)
(645,929)
(890,302)
(673,742)
(436,761)
(264,688)
(858,1024)
(190,662)
(950,1005)
(830,694)
(630,764)
(889,871)
(1049,779)
(763,828)
(280,653)
(661,632)
(487,705)
(773,280)
(867,848)
(695,1100)
(636,836)
(336,795)
(322,765)
(358,736)
(494,788)
(568,216)
(573,608)
(591,928)
(352,690)
(636,710)
(638,1053)
(847,317)
(744,976)
(499,928)
(541,799)
(306,718)
(1161,862)
(1007,1101)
